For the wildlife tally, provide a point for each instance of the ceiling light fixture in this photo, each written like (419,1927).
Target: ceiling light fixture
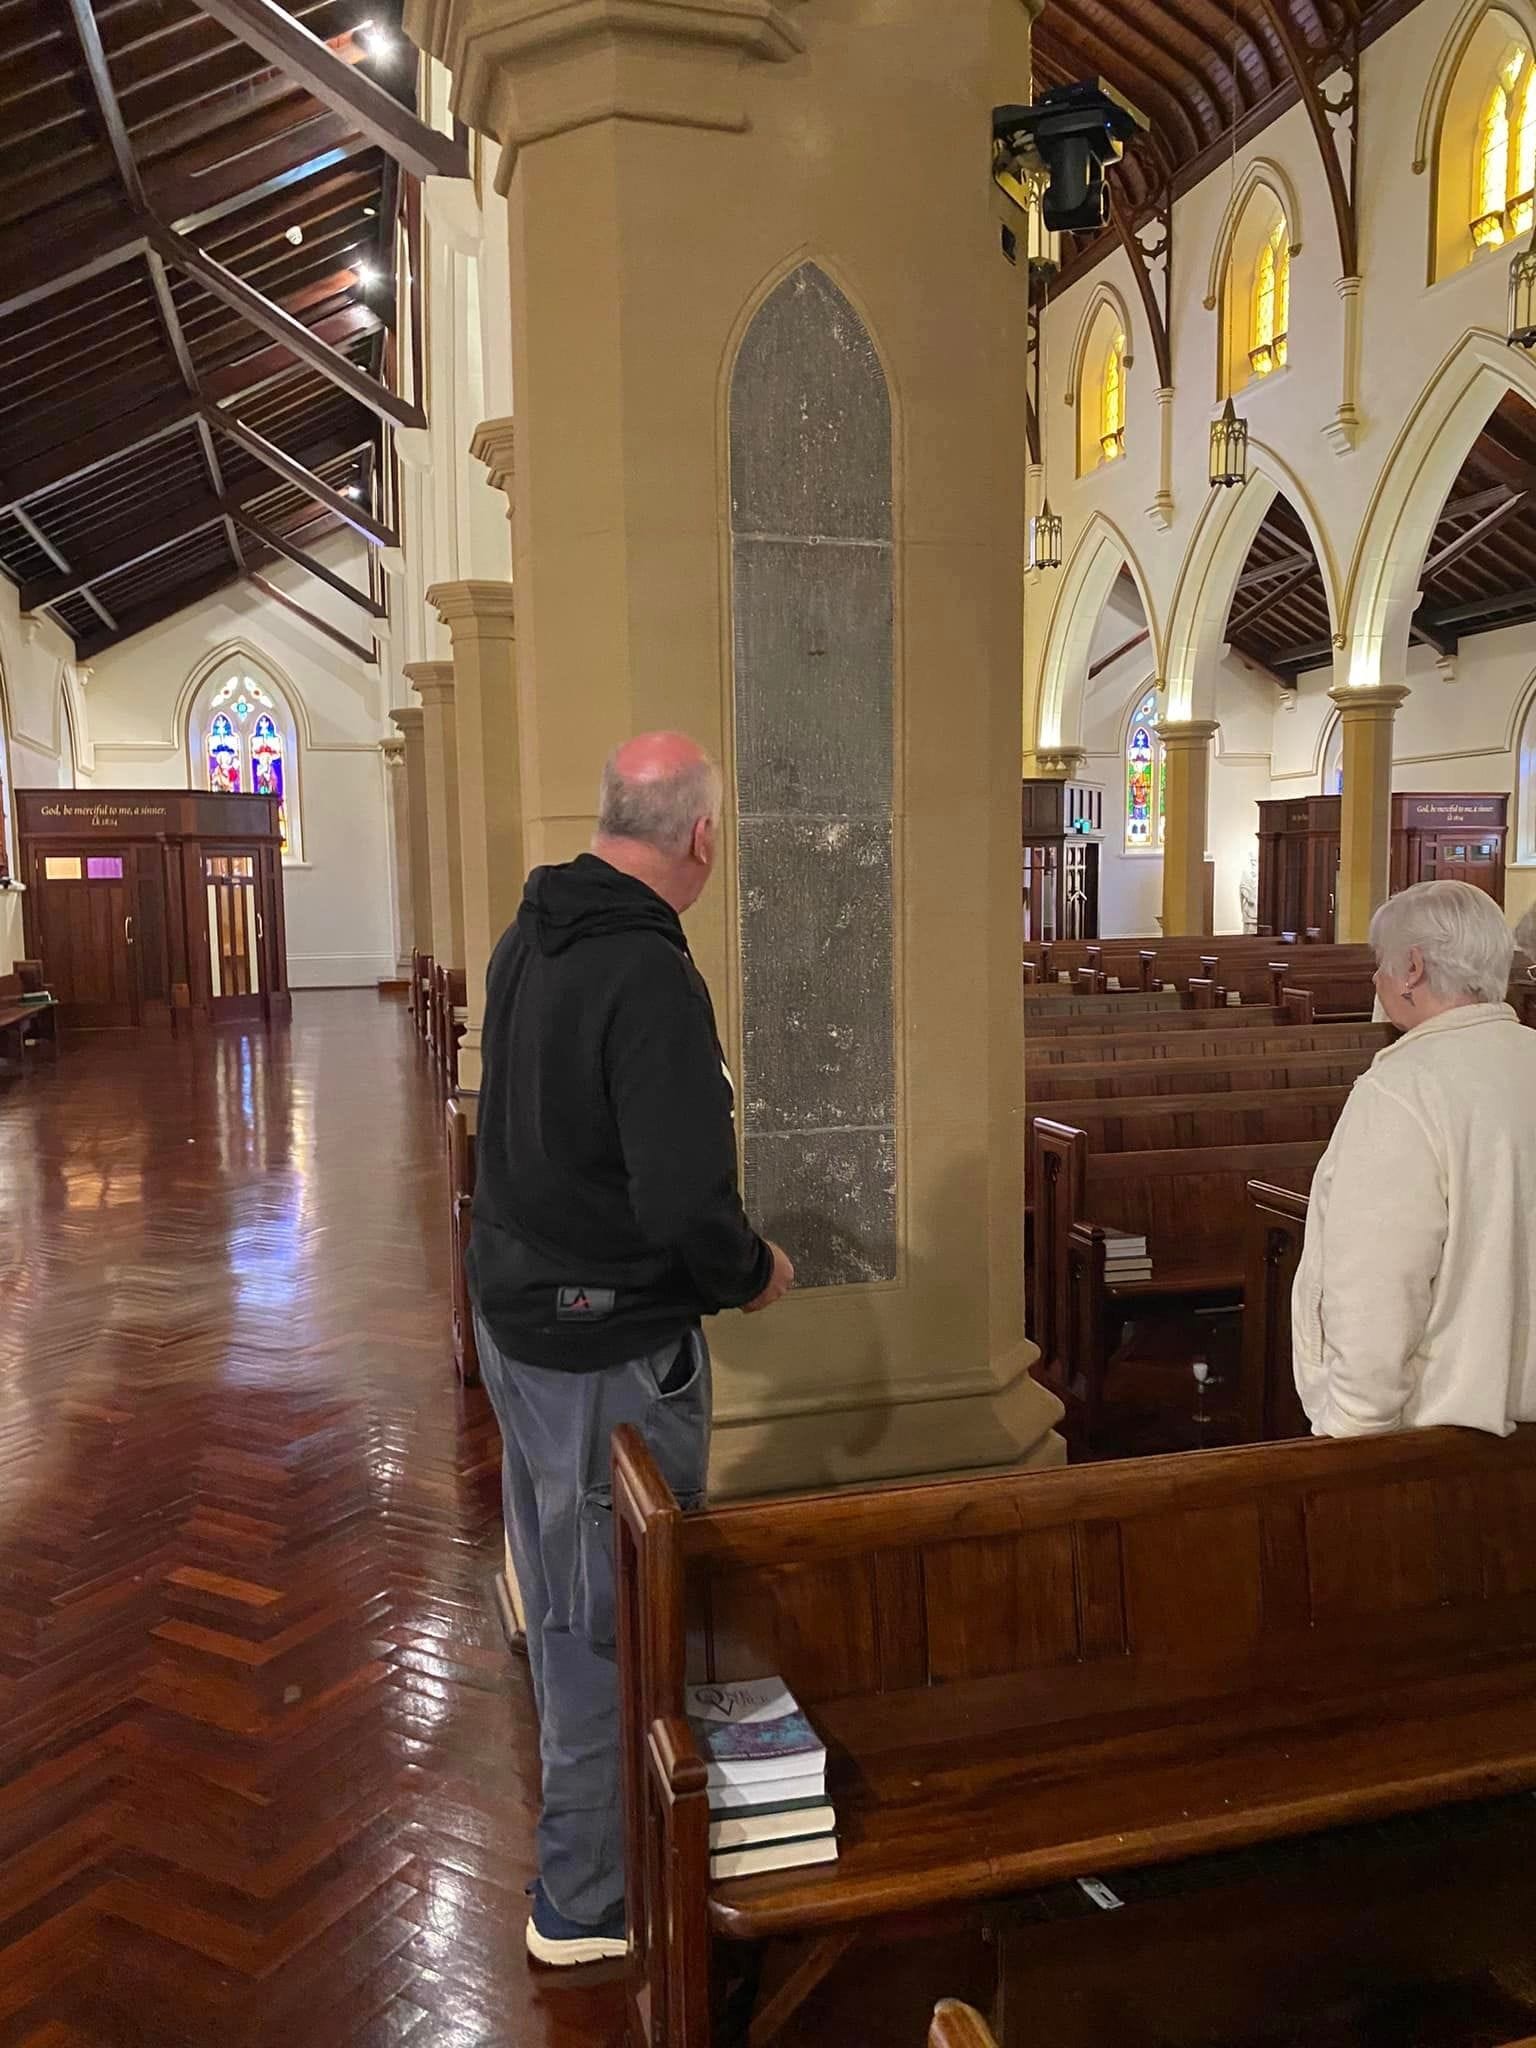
(352,491)
(1522,297)
(295,234)
(1229,433)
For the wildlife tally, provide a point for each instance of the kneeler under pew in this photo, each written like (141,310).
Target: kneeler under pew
(1025,1680)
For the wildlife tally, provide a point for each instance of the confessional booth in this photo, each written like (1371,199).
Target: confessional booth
(1063,827)
(1455,838)
(151,906)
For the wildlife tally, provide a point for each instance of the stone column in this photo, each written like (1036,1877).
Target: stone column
(397,802)
(479,615)
(409,719)
(703,162)
(1365,848)
(1187,747)
(433,682)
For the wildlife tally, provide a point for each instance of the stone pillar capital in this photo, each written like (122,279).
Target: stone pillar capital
(393,750)
(1379,700)
(524,70)
(408,718)
(431,680)
(1187,732)
(479,605)
(1064,762)
(492,443)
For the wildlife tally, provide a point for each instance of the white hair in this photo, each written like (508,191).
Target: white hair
(658,810)
(1467,947)
(1525,934)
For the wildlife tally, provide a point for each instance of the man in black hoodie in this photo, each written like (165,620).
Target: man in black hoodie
(607,1223)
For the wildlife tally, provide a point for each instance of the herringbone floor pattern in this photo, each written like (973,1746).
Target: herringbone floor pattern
(267,1774)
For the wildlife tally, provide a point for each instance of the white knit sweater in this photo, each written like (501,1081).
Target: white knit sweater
(1415,1299)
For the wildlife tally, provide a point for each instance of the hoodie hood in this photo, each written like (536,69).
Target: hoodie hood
(585,898)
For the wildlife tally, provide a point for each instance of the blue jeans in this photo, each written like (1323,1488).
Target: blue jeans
(557,1497)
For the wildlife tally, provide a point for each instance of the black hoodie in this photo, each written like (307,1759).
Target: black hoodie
(606,1215)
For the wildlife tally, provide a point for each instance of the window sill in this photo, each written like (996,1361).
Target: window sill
(302,865)
(1485,259)
(1255,387)
(1142,852)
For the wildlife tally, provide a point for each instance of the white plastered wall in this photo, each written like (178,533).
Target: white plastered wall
(37,748)
(338,900)
(1419,341)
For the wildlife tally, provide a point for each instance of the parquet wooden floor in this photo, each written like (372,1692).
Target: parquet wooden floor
(268,1770)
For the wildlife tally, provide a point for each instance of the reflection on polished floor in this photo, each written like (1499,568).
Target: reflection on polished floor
(266,1769)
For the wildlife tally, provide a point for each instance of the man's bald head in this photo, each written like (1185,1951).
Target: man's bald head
(658,788)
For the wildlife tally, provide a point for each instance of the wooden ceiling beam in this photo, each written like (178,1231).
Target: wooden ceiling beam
(67,265)
(280,544)
(272,320)
(265,365)
(1476,611)
(184,520)
(303,479)
(303,57)
(88,36)
(146,615)
(302,611)
(38,538)
(1261,605)
(95,449)
(136,546)
(1490,522)
(1267,572)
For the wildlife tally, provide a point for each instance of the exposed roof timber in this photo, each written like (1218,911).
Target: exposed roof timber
(309,62)
(268,589)
(109,442)
(1267,572)
(1489,523)
(243,377)
(170,319)
(271,319)
(188,203)
(1483,609)
(294,472)
(281,544)
(180,523)
(38,538)
(145,616)
(88,35)
(231,528)
(1288,588)
(1126,647)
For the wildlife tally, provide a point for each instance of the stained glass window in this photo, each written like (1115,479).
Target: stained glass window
(224,753)
(247,746)
(1146,779)
(1112,402)
(1504,165)
(1271,302)
(267,767)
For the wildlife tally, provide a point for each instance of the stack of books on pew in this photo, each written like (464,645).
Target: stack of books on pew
(767,1778)
(1126,1257)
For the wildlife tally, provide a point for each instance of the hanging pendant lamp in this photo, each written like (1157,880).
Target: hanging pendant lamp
(1229,449)
(1522,297)
(1045,538)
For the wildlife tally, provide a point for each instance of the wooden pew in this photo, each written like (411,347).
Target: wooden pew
(959,2026)
(1030,1678)
(421,994)
(1338,975)
(26,1023)
(1190,1205)
(462,1114)
(1209,1044)
(1047,1004)
(1050,1029)
(1275,1228)
(1116,1079)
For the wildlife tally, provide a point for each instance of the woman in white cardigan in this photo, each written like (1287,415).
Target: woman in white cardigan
(1415,1299)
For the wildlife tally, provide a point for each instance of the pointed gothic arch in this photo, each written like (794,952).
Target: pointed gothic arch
(1208,578)
(1411,493)
(1101,553)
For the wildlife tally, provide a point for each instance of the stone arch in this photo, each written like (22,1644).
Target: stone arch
(813,592)
(1522,745)
(1103,295)
(1101,553)
(1260,171)
(1406,504)
(1217,553)
(1442,73)
(1442,88)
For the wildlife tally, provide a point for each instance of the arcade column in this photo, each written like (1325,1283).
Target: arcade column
(1365,813)
(408,720)
(479,615)
(770,437)
(433,683)
(1187,751)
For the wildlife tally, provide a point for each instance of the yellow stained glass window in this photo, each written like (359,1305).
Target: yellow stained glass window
(1268,337)
(1112,402)
(1504,166)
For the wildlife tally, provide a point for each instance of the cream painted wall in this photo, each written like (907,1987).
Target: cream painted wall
(339,899)
(1458,734)
(36,752)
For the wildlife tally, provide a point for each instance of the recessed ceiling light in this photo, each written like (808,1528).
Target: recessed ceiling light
(352,491)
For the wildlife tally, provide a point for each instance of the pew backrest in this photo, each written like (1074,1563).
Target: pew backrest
(1215,1044)
(959,2026)
(1114,1080)
(1275,1224)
